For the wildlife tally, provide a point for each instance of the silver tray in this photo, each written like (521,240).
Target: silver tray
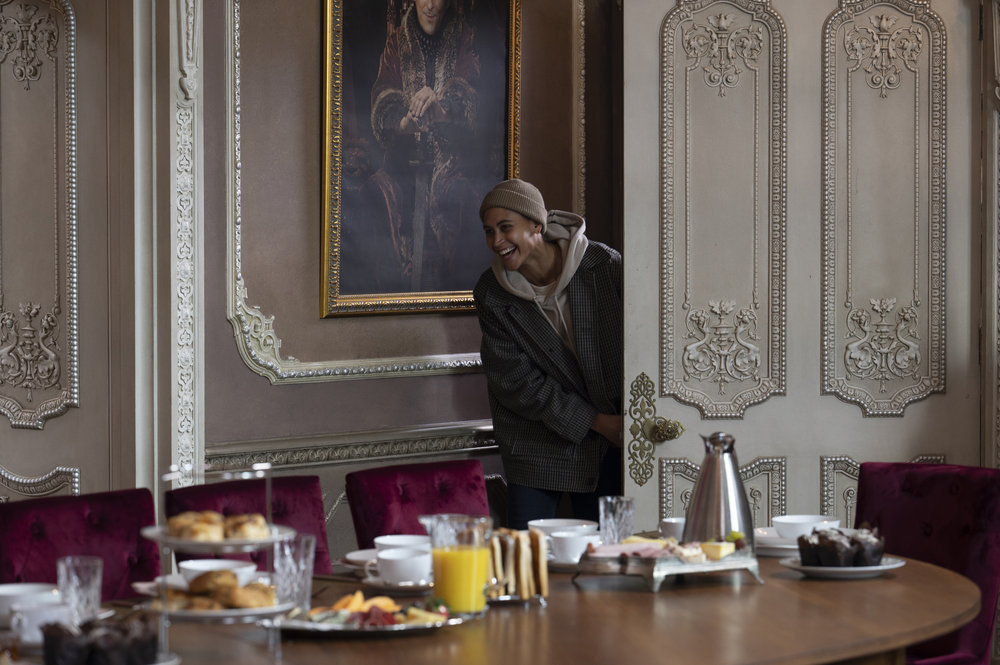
(656,569)
(318,627)
(159,534)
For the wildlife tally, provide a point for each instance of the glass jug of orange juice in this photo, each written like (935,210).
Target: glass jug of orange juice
(460,554)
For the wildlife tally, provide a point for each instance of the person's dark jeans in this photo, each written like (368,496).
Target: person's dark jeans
(531,503)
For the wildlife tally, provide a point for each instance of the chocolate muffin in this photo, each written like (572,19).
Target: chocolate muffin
(808,545)
(110,642)
(869,547)
(835,549)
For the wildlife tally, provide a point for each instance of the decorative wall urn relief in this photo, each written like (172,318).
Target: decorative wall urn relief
(883,204)
(38,182)
(723,172)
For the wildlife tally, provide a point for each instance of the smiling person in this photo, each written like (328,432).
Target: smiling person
(550,311)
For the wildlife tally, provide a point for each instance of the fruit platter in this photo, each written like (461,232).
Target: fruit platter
(655,559)
(354,614)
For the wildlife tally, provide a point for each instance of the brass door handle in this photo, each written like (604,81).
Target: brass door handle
(659,429)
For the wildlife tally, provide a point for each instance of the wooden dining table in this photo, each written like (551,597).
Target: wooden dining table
(722,618)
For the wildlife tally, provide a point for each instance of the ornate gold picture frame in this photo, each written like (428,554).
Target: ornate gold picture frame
(404,178)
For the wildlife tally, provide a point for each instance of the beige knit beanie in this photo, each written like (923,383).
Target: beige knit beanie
(519,196)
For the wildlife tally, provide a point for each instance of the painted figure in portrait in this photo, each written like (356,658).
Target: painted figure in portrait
(424,139)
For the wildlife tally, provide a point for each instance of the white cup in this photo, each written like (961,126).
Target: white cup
(401,565)
(672,527)
(569,546)
(409,540)
(27,619)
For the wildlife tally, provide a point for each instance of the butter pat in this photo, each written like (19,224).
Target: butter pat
(716,551)
(639,540)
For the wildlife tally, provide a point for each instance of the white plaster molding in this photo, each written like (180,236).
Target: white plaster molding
(33,357)
(736,356)
(352,447)
(186,236)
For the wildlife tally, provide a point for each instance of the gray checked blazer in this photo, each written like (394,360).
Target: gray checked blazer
(543,399)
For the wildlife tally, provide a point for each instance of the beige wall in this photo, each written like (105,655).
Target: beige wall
(282,150)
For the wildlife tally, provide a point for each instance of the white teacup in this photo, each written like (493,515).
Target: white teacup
(412,541)
(27,619)
(401,565)
(672,527)
(569,546)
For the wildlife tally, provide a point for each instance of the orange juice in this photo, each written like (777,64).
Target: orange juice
(461,573)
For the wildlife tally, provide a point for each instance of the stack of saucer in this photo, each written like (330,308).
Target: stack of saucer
(769,543)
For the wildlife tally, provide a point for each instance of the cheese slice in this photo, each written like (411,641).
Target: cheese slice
(716,551)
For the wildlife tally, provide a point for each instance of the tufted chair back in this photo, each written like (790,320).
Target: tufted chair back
(296,501)
(36,532)
(389,499)
(947,515)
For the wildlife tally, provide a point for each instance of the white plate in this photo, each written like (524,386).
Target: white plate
(225,616)
(159,534)
(417,587)
(768,537)
(563,566)
(346,630)
(844,573)
(359,558)
(176,581)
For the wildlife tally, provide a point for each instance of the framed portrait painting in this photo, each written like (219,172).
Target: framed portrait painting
(421,120)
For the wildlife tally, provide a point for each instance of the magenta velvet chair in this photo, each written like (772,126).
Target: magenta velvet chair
(36,532)
(948,515)
(296,501)
(389,499)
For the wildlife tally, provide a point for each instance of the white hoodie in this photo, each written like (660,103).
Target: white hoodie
(566,229)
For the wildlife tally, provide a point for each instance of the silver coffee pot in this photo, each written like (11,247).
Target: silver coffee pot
(719,501)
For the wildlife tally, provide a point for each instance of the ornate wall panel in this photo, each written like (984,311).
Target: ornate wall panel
(764,480)
(839,485)
(884,214)
(38,182)
(61,478)
(722,207)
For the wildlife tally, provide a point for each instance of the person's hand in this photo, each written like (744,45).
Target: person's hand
(409,125)
(425,108)
(609,426)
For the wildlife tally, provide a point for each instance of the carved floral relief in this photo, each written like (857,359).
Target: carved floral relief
(723,178)
(884,220)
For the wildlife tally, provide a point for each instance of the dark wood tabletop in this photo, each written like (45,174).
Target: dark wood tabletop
(711,619)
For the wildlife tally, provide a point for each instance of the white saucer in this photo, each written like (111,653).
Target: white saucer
(767,536)
(152,588)
(359,558)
